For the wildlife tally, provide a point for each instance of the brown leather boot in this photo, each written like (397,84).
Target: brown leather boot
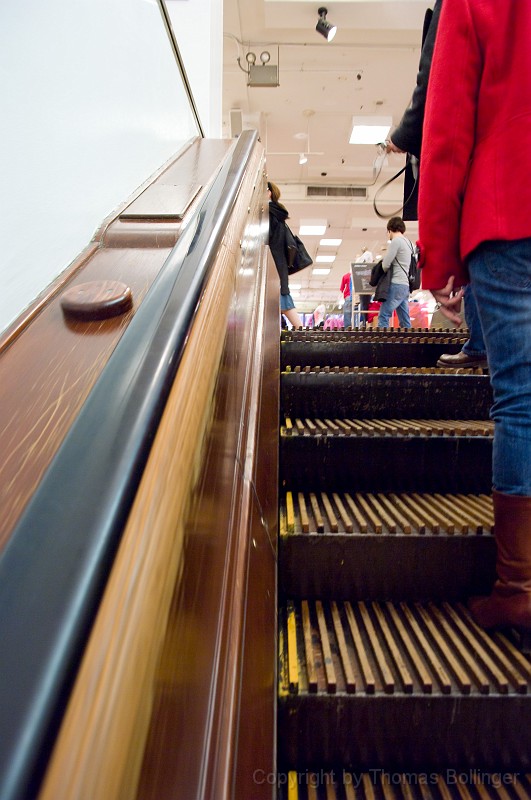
(462,359)
(509,605)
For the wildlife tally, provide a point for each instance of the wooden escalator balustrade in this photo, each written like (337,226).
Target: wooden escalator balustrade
(101,744)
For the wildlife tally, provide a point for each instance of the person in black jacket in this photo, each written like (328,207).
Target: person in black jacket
(407,137)
(278,215)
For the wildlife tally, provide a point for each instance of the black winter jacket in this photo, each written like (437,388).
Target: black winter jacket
(277,242)
(408,134)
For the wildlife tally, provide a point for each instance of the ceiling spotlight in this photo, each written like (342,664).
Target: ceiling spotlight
(303,158)
(323,27)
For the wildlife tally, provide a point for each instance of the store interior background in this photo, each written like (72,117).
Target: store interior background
(368,70)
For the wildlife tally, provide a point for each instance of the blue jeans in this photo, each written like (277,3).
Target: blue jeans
(396,299)
(475,346)
(347,312)
(501,280)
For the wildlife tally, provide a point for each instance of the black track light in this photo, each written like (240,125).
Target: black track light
(325,28)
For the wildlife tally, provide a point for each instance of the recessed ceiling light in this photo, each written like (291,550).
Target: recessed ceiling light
(320,271)
(370,130)
(330,242)
(325,259)
(312,228)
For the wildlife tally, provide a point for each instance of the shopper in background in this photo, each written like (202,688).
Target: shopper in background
(475,225)
(278,214)
(346,291)
(397,259)
(366,256)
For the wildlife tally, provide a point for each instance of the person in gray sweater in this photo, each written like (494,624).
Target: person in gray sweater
(397,259)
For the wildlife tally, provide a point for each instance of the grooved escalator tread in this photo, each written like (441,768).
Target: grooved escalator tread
(306,426)
(401,686)
(381,784)
(375,648)
(379,513)
(401,546)
(384,335)
(381,369)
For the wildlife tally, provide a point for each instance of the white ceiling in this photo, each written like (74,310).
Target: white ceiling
(368,69)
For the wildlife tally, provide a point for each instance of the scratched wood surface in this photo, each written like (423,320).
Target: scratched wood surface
(48,370)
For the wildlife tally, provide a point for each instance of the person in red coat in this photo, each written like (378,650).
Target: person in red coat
(347,305)
(475,226)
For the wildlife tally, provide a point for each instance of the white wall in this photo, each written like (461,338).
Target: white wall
(92,105)
(203,59)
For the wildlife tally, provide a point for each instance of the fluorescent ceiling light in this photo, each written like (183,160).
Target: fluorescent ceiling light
(330,242)
(320,271)
(295,287)
(370,130)
(326,259)
(309,229)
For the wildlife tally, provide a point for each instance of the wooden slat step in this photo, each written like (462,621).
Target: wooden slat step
(442,335)
(406,370)
(385,513)
(414,686)
(385,393)
(399,546)
(417,649)
(387,784)
(385,427)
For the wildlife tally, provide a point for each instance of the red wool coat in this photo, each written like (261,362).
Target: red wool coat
(476,154)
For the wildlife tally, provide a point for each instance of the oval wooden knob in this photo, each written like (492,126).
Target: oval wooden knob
(96,300)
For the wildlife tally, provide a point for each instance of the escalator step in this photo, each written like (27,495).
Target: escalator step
(342,453)
(398,546)
(395,353)
(411,685)
(415,348)
(386,335)
(386,427)
(385,393)
(380,784)
(380,513)
(390,648)
(391,369)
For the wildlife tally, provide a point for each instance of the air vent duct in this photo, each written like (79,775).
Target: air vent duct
(332,192)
